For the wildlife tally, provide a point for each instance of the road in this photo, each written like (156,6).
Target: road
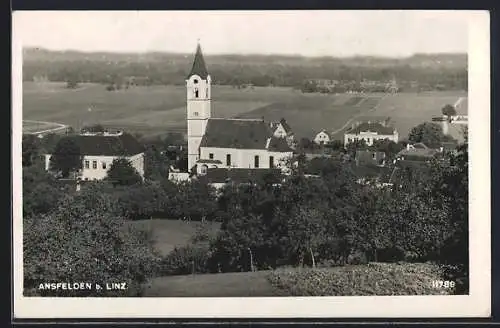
(51,130)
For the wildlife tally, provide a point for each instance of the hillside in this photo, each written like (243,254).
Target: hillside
(418,60)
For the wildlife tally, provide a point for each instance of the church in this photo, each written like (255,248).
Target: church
(215,143)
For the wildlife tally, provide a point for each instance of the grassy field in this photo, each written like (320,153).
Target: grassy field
(239,284)
(168,234)
(156,110)
(371,279)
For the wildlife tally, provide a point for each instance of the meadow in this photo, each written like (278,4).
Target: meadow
(157,110)
(363,279)
(169,234)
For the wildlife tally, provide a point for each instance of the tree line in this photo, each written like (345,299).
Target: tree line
(118,74)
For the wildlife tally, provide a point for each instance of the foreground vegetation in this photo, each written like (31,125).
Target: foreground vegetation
(331,222)
(372,279)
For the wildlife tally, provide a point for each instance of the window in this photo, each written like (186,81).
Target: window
(195,113)
(87,164)
(196,93)
(104,165)
(207,92)
(271,162)
(256,161)
(211,156)
(94,165)
(228,159)
(374,156)
(195,81)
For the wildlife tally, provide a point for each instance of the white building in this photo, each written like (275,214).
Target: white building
(100,149)
(322,138)
(228,143)
(370,132)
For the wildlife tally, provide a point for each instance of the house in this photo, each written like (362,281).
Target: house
(99,149)
(322,138)
(228,143)
(368,157)
(281,129)
(371,131)
(416,154)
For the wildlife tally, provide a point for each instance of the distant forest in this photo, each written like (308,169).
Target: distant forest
(418,72)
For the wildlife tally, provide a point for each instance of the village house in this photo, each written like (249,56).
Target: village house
(228,143)
(370,132)
(416,154)
(99,149)
(322,138)
(281,129)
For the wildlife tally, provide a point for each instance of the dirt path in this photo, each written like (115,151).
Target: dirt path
(374,108)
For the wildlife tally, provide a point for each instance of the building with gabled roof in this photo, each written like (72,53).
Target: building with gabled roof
(228,143)
(370,132)
(99,149)
(323,137)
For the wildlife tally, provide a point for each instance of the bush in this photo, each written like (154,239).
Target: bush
(186,260)
(361,280)
(83,240)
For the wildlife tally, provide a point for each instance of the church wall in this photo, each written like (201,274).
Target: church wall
(244,158)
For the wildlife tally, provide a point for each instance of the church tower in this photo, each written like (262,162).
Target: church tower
(198,84)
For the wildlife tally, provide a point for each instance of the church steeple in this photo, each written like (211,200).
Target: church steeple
(199,68)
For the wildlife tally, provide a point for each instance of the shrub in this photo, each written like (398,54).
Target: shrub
(83,240)
(186,260)
(361,280)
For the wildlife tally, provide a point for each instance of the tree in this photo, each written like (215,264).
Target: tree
(72,80)
(41,193)
(85,240)
(122,173)
(66,157)
(389,147)
(31,149)
(430,134)
(306,231)
(449,110)
(335,145)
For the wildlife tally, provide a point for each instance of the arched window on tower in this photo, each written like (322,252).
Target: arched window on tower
(196,93)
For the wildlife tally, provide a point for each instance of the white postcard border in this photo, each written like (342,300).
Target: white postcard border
(477,304)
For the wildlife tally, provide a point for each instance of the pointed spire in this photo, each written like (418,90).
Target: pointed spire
(199,68)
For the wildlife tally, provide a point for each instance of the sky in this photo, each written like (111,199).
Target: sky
(308,33)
